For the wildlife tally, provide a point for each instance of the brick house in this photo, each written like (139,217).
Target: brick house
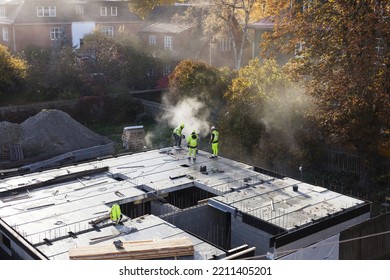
(44,23)
(173,42)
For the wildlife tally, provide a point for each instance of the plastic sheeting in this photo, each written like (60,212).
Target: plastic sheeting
(327,249)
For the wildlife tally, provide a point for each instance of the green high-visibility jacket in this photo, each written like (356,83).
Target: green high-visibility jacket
(214,136)
(192,141)
(115,212)
(178,130)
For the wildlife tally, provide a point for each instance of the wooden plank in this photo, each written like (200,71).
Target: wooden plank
(136,250)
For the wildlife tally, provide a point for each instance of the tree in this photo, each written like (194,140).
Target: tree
(12,71)
(199,80)
(224,19)
(119,58)
(63,74)
(52,73)
(103,64)
(142,8)
(346,61)
(136,63)
(39,61)
(265,118)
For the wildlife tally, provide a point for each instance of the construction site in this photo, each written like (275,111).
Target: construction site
(171,207)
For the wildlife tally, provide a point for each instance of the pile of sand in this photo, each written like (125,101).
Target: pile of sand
(50,132)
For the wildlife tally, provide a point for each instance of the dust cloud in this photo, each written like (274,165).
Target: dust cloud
(191,112)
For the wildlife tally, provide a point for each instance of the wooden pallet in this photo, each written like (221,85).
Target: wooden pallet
(6,152)
(135,250)
(133,138)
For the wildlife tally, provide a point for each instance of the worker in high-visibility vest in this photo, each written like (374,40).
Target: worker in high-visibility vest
(115,213)
(192,145)
(177,134)
(214,142)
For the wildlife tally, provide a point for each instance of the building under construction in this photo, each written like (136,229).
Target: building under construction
(172,208)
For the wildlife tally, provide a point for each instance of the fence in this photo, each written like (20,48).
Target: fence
(36,107)
(154,108)
(341,161)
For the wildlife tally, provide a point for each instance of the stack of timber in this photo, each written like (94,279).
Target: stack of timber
(135,250)
(133,138)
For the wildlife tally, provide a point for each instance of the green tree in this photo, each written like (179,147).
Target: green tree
(52,74)
(12,71)
(111,59)
(345,59)
(103,64)
(38,60)
(136,63)
(63,74)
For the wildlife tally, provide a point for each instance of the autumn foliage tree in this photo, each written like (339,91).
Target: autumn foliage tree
(345,60)
(265,117)
(199,80)
(12,71)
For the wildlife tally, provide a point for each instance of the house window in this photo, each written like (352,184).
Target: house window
(55,33)
(103,11)
(150,73)
(79,9)
(5,34)
(152,40)
(298,50)
(46,11)
(108,31)
(226,44)
(168,43)
(114,11)
(166,70)
(2,12)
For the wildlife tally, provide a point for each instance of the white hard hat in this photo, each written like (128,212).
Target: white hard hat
(213,127)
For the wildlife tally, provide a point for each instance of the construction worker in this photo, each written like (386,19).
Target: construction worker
(214,142)
(177,134)
(115,213)
(192,145)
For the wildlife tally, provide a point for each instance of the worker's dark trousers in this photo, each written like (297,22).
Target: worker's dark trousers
(177,139)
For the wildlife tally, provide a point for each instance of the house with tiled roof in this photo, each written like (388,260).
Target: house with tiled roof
(44,23)
(175,40)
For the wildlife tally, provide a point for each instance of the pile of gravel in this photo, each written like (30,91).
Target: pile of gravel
(50,132)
